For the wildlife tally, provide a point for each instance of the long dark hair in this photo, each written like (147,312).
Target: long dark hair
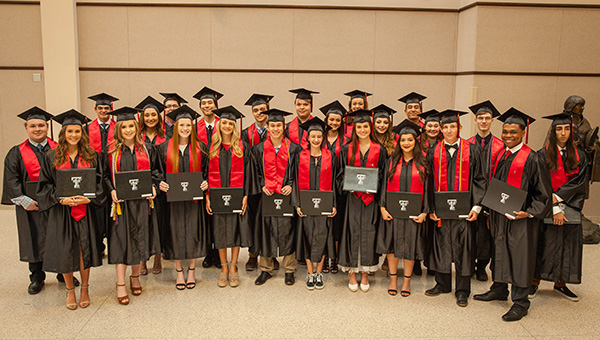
(571,162)
(341,130)
(418,158)
(354,139)
(160,127)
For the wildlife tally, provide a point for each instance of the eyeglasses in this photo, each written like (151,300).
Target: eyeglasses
(484,119)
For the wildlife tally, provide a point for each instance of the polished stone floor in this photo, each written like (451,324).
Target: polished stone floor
(276,311)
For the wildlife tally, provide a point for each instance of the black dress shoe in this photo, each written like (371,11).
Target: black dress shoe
(61,279)
(481,275)
(275,264)
(462,300)
(208,261)
(515,313)
(251,264)
(289,279)
(417,270)
(435,291)
(491,296)
(262,278)
(35,287)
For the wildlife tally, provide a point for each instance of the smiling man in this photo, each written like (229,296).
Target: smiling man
(303,105)
(413,107)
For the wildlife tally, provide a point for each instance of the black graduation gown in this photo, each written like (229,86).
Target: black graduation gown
(65,236)
(483,238)
(133,236)
(338,219)
(168,130)
(186,234)
(102,212)
(359,233)
(231,230)
(560,248)
(273,236)
(31,225)
(402,237)
(453,241)
(515,241)
(246,137)
(430,224)
(161,206)
(314,233)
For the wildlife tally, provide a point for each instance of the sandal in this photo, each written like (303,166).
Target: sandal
(393,292)
(190,285)
(405,293)
(334,266)
(84,303)
(124,300)
(134,290)
(73,305)
(179,286)
(234,278)
(143,268)
(325,265)
(157,267)
(223,277)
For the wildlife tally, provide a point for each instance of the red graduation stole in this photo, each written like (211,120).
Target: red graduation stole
(158,140)
(339,142)
(236,178)
(560,176)
(461,182)
(275,164)
(497,147)
(202,132)
(416,186)
(96,137)
(348,132)
(294,133)
(372,161)
(515,173)
(326,177)
(141,158)
(77,212)
(421,123)
(198,153)
(253,136)
(32,165)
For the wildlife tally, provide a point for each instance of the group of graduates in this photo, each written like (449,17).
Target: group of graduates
(421,155)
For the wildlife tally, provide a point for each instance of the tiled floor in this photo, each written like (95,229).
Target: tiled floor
(276,311)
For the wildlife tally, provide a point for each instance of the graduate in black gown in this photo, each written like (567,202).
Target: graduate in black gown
(274,172)
(229,166)
(72,242)
(133,228)
(359,234)
(358,101)
(515,237)
(406,171)
(316,169)
(172,101)
(253,135)
(186,234)
(303,103)
(560,246)
(455,165)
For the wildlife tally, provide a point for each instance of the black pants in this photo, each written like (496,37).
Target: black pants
(481,264)
(37,274)
(518,295)
(463,283)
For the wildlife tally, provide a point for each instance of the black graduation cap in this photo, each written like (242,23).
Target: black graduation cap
(150,102)
(258,99)
(450,116)
(361,116)
(514,116)
(432,115)
(276,115)
(559,118)
(103,99)
(357,94)
(383,111)
(334,107)
(208,93)
(314,123)
(173,96)
(412,97)
(35,113)
(486,107)
(125,113)
(228,112)
(183,112)
(71,117)
(303,93)
(407,127)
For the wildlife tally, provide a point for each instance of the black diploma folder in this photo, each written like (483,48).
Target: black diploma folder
(184,186)
(76,182)
(131,185)
(503,198)
(316,202)
(361,179)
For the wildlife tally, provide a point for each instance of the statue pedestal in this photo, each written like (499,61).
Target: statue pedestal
(591,231)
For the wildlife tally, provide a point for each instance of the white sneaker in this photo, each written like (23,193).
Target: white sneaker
(310,281)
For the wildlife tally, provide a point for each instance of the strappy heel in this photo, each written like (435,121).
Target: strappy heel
(223,277)
(191,285)
(71,306)
(179,286)
(124,300)
(325,265)
(393,292)
(134,290)
(234,278)
(405,293)
(85,303)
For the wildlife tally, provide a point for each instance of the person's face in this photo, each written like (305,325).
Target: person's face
(432,129)
(357,104)
(407,142)
(315,138)
(171,105)
(276,129)
(102,112)
(450,131)
(150,117)
(257,112)
(363,130)
(73,134)
(382,125)
(207,105)
(302,108)
(184,127)
(37,130)
(563,132)
(512,135)
(334,121)
(484,121)
(412,110)
(227,127)
(128,130)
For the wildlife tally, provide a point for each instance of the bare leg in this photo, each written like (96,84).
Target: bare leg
(364,278)
(320,264)
(352,278)
(143,268)
(191,279)
(235,253)
(408,271)
(223,258)
(393,264)
(84,299)
(121,289)
(71,298)
(309,266)
(157,267)
(180,278)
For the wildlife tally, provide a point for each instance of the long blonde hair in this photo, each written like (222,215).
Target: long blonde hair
(85,151)
(117,144)
(217,140)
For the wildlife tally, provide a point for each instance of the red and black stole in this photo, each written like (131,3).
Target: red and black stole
(416,185)
(236,171)
(515,173)
(337,145)
(141,158)
(79,211)
(32,164)
(275,164)
(326,174)
(496,147)
(461,175)
(158,140)
(372,162)
(96,136)
(253,135)
(560,177)
(197,153)
(202,132)
(294,133)
(348,132)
